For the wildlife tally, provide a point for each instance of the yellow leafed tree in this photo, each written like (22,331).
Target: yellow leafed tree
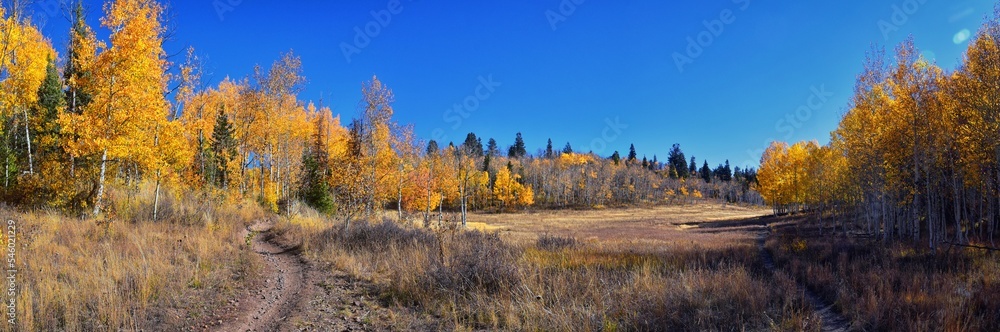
(127,120)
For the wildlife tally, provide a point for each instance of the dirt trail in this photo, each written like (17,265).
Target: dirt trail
(831,321)
(268,307)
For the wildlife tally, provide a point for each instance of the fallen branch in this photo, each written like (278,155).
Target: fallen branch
(972,246)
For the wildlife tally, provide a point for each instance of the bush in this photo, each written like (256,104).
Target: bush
(379,237)
(476,261)
(555,243)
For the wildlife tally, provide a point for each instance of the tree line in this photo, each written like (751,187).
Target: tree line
(917,155)
(116,114)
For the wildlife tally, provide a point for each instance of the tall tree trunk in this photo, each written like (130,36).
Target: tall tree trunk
(100,183)
(27,139)
(464,209)
(399,195)
(156,196)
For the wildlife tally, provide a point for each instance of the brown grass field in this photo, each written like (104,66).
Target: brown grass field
(694,267)
(663,224)
(673,268)
(82,275)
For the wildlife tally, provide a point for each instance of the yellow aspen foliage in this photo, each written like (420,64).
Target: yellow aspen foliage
(127,119)
(416,196)
(510,192)
(25,55)
(773,182)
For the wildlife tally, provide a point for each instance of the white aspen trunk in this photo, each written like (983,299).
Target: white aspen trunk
(464,202)
(156,196)
(399,195)
(27,139)
(100,183)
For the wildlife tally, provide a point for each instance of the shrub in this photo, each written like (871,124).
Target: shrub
(555,242)
(476,261)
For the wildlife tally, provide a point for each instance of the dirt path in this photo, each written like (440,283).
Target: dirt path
(266,308)
(831,321)
(294,295)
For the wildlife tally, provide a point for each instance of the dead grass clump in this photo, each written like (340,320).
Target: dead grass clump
(556,242)
(380,237)
(727,299)
(475,262)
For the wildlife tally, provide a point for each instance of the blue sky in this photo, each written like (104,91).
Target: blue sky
(599,74)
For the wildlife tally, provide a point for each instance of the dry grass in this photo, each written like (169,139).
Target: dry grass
(661,224)
(571,278)
(897,287)
(126,273)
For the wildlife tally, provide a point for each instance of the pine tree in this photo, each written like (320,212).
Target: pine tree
(82,48)
(706,173)
(568,148)
(631,153)
(46,114)
(727,173)
(693,167)
(473,145)
(432,147)
(315,186)
(492,149)
(486,162)
(616,158)
(517,150)
(549,153)
(677,161)
(223,150)
(46,142)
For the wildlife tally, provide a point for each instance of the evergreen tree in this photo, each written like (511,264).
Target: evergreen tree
(45,128)
(678,162)
(719,172)
(473,145)
(645,163)
(517,150)
(315,186)
(653,165)
(549,153)
(706,173)
(80,33)
(492,149)
(432,147)
(568,148)
(727,173)
(631,153)
(693,167)
(223,149)
(615,157)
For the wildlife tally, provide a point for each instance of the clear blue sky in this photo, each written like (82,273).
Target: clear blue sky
(606,62)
